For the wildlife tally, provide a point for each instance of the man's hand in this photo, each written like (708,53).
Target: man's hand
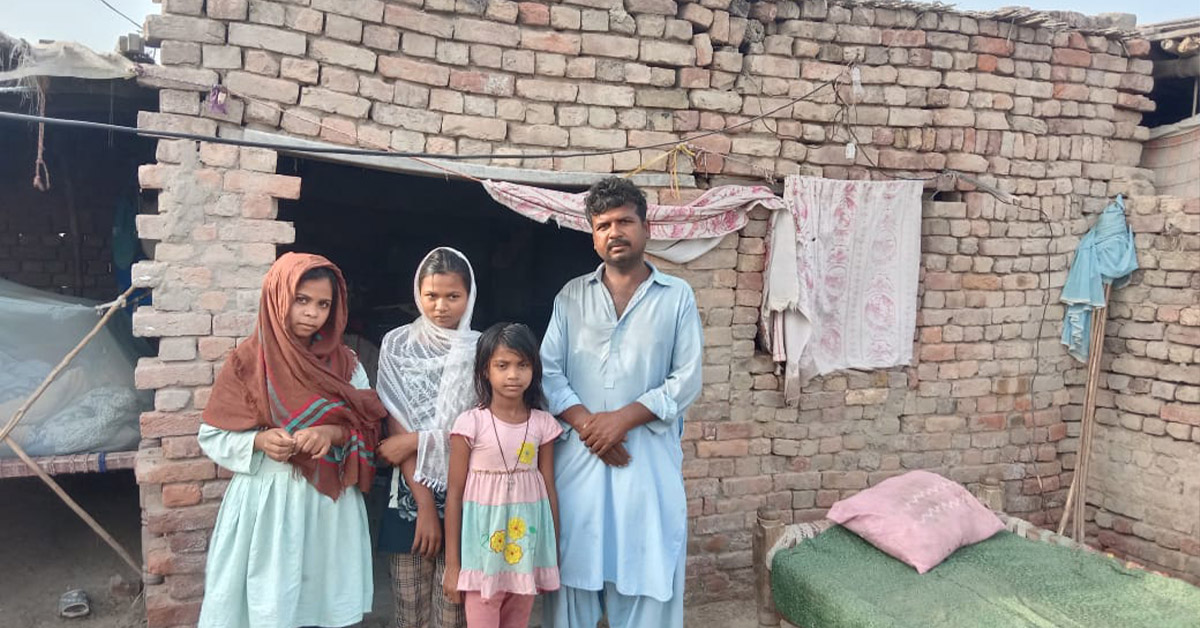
(603,431)
(587,426)
(616,457)
(276,443)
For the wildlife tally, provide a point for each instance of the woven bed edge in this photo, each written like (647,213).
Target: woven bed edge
(796,533)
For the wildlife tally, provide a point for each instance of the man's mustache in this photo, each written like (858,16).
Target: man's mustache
(618,242)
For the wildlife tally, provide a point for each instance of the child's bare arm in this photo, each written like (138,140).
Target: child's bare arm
(460,459)
(546,467)
(427,541)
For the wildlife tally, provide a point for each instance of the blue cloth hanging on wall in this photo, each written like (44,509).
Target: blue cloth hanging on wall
(1106,255)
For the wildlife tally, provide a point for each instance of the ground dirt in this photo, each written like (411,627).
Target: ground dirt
(45,550)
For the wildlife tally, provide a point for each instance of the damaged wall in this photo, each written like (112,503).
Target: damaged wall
(1050,116)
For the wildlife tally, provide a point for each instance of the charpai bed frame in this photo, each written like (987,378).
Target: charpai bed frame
(74,463)
(771,534)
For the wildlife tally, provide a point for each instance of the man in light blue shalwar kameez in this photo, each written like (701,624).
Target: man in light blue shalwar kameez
(622,362)
(1106,255)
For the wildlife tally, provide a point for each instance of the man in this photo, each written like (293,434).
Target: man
(622,360)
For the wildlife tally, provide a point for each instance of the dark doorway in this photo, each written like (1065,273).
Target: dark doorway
(77,237)
(377,226)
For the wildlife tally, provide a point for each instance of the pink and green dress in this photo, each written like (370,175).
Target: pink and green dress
(508,543)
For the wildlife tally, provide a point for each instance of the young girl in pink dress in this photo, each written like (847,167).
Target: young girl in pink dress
(501,508)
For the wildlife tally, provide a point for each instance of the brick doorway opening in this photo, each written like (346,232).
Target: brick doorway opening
(377,226)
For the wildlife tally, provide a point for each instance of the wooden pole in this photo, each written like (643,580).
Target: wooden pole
(92,523)
(76,236)
(767,531)
(1074,509)
(1070,504)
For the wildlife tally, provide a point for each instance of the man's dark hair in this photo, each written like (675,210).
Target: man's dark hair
(611,193)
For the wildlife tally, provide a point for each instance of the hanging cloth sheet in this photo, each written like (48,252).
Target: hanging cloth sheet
(1106,255)
(64,58)
(678,233)
(841,278)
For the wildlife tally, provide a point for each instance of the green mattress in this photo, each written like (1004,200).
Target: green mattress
(837,579)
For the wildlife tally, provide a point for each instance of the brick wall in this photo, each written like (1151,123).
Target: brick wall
(216,240)
(1051,117)
(37,238)
(1145,497)
(1175,159)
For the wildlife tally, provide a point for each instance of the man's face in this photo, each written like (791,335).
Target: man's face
(619,236)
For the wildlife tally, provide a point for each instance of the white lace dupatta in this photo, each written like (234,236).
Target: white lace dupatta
(426,379)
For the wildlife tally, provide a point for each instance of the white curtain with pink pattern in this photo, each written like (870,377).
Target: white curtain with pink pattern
(678,233)
(841,278)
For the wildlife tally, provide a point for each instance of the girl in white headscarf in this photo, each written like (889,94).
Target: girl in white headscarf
(425,381)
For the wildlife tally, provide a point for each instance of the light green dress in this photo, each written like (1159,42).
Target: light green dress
(282,554)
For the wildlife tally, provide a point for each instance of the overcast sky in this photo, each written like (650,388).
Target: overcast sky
(95,25)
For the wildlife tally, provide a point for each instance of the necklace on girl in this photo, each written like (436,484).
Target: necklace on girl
(511,480)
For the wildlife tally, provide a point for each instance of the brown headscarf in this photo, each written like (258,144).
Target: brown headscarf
(274,380)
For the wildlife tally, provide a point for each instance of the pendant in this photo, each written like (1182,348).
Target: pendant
(512,481)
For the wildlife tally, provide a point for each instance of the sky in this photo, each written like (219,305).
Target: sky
(91,23)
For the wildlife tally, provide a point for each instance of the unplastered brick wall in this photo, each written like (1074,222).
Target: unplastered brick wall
(1145,497)
(1175,160)
(38,237)
(1050,117)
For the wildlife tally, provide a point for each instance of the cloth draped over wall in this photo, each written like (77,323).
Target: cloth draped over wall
(678,233)
(840,285)
(1106,255)
(67,59)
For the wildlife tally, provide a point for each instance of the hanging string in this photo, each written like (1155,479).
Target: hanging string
(41,174)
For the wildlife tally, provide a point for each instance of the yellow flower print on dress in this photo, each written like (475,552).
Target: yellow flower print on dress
(497,541)
(513,553)
(516,528)
(528,451)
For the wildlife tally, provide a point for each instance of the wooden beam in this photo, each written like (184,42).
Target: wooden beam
(442,168)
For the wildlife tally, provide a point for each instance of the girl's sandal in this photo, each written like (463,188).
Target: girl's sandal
(74,603)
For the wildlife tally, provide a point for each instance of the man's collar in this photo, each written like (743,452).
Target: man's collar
(655,275)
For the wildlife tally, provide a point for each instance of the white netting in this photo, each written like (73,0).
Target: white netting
(426,380)
(93,405)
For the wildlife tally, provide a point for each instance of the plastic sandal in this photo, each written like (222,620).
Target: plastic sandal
(74,603)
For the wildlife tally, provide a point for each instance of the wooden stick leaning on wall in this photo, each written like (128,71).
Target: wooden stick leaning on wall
(1088,428)
(1069,506)
(1076,496)
(33,465)
(73,505)
(769,527)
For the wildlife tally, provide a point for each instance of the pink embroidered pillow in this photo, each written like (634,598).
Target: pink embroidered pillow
(918,518)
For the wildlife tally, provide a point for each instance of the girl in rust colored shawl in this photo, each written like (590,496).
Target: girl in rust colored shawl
(293,417)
